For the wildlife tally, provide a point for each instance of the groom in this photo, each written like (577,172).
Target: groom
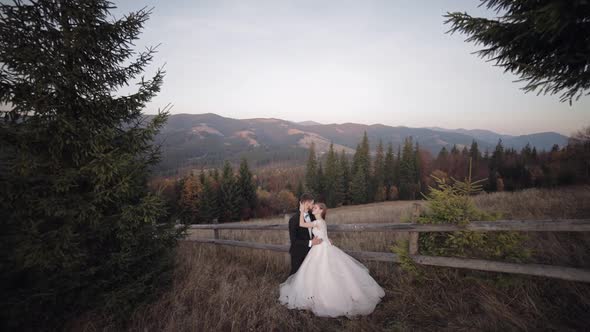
(301,238)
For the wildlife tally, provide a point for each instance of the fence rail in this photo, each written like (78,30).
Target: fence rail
(548,225)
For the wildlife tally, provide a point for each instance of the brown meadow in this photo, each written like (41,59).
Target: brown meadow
(236,289)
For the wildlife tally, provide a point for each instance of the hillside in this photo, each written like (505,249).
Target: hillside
(208,139)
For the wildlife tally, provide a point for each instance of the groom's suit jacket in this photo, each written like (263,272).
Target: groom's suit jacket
(299,236)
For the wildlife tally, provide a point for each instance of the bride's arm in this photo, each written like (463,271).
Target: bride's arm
(302,222)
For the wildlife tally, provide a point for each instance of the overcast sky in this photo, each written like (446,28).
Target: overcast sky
(339,61)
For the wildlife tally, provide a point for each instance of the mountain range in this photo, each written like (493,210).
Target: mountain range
(208,139)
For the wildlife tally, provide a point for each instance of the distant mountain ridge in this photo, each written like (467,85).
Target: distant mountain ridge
(208,139)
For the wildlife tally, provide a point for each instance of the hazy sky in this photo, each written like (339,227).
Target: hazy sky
(339,61)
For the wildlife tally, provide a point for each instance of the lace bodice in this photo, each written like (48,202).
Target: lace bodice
(320,230)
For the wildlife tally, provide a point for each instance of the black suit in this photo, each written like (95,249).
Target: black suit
(299,237)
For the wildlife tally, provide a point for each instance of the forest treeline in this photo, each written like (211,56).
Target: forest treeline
(387,173)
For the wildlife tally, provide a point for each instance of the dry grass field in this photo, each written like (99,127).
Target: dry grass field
(236,289)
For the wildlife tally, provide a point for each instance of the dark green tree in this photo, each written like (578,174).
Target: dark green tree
(345,180)
(358,188)
(397,167)
(378,178)
(333,179)
(474,152)
(496,165)
(389,170)
(321,184)
(230,203)
(247,190)
(361,157)
(80,230)
(408,171)
(311,172)
(361,167)
(417,167)
(209,205)
(544,42)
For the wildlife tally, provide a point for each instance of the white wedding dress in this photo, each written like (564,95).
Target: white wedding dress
(330,283)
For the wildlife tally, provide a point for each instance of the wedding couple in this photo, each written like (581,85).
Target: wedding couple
(323,278)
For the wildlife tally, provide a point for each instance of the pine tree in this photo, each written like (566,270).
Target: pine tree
(389,170)
(407,189)
(465,152)
(208,203)
(361,167)
(215,197)
(230,195)
(358,188)
(333,179)
(80,229)
(321,184)
(543,42)
(496,164)
(247,190)
(474,152)
(361,157)
(417,168)
(311,171)
(345,180)
(397,163)
(378,186)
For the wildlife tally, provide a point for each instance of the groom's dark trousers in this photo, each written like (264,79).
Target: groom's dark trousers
(299,237)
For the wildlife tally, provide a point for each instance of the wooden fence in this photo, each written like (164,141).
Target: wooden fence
(549,225)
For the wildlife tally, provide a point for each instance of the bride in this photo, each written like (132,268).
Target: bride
(329,282)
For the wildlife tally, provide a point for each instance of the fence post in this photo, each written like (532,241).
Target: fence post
(216,231)
(413,243)
(287,257)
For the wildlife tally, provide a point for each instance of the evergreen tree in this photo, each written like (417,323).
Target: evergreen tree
(358,188)
(361,167)
(443,154)
(311,171)
(247,190)
(80,230)
(321,184)
(496,164)
(388,169)
(208,203)
(465,152)
(543,42)
(215,174)
(378,187)
(346,178)
(333,179)
(417,168)
(397,167)
(361,157)
(474,152)
(407,189)
(230,195)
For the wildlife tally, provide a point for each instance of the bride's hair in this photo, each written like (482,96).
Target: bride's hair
(324,209)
